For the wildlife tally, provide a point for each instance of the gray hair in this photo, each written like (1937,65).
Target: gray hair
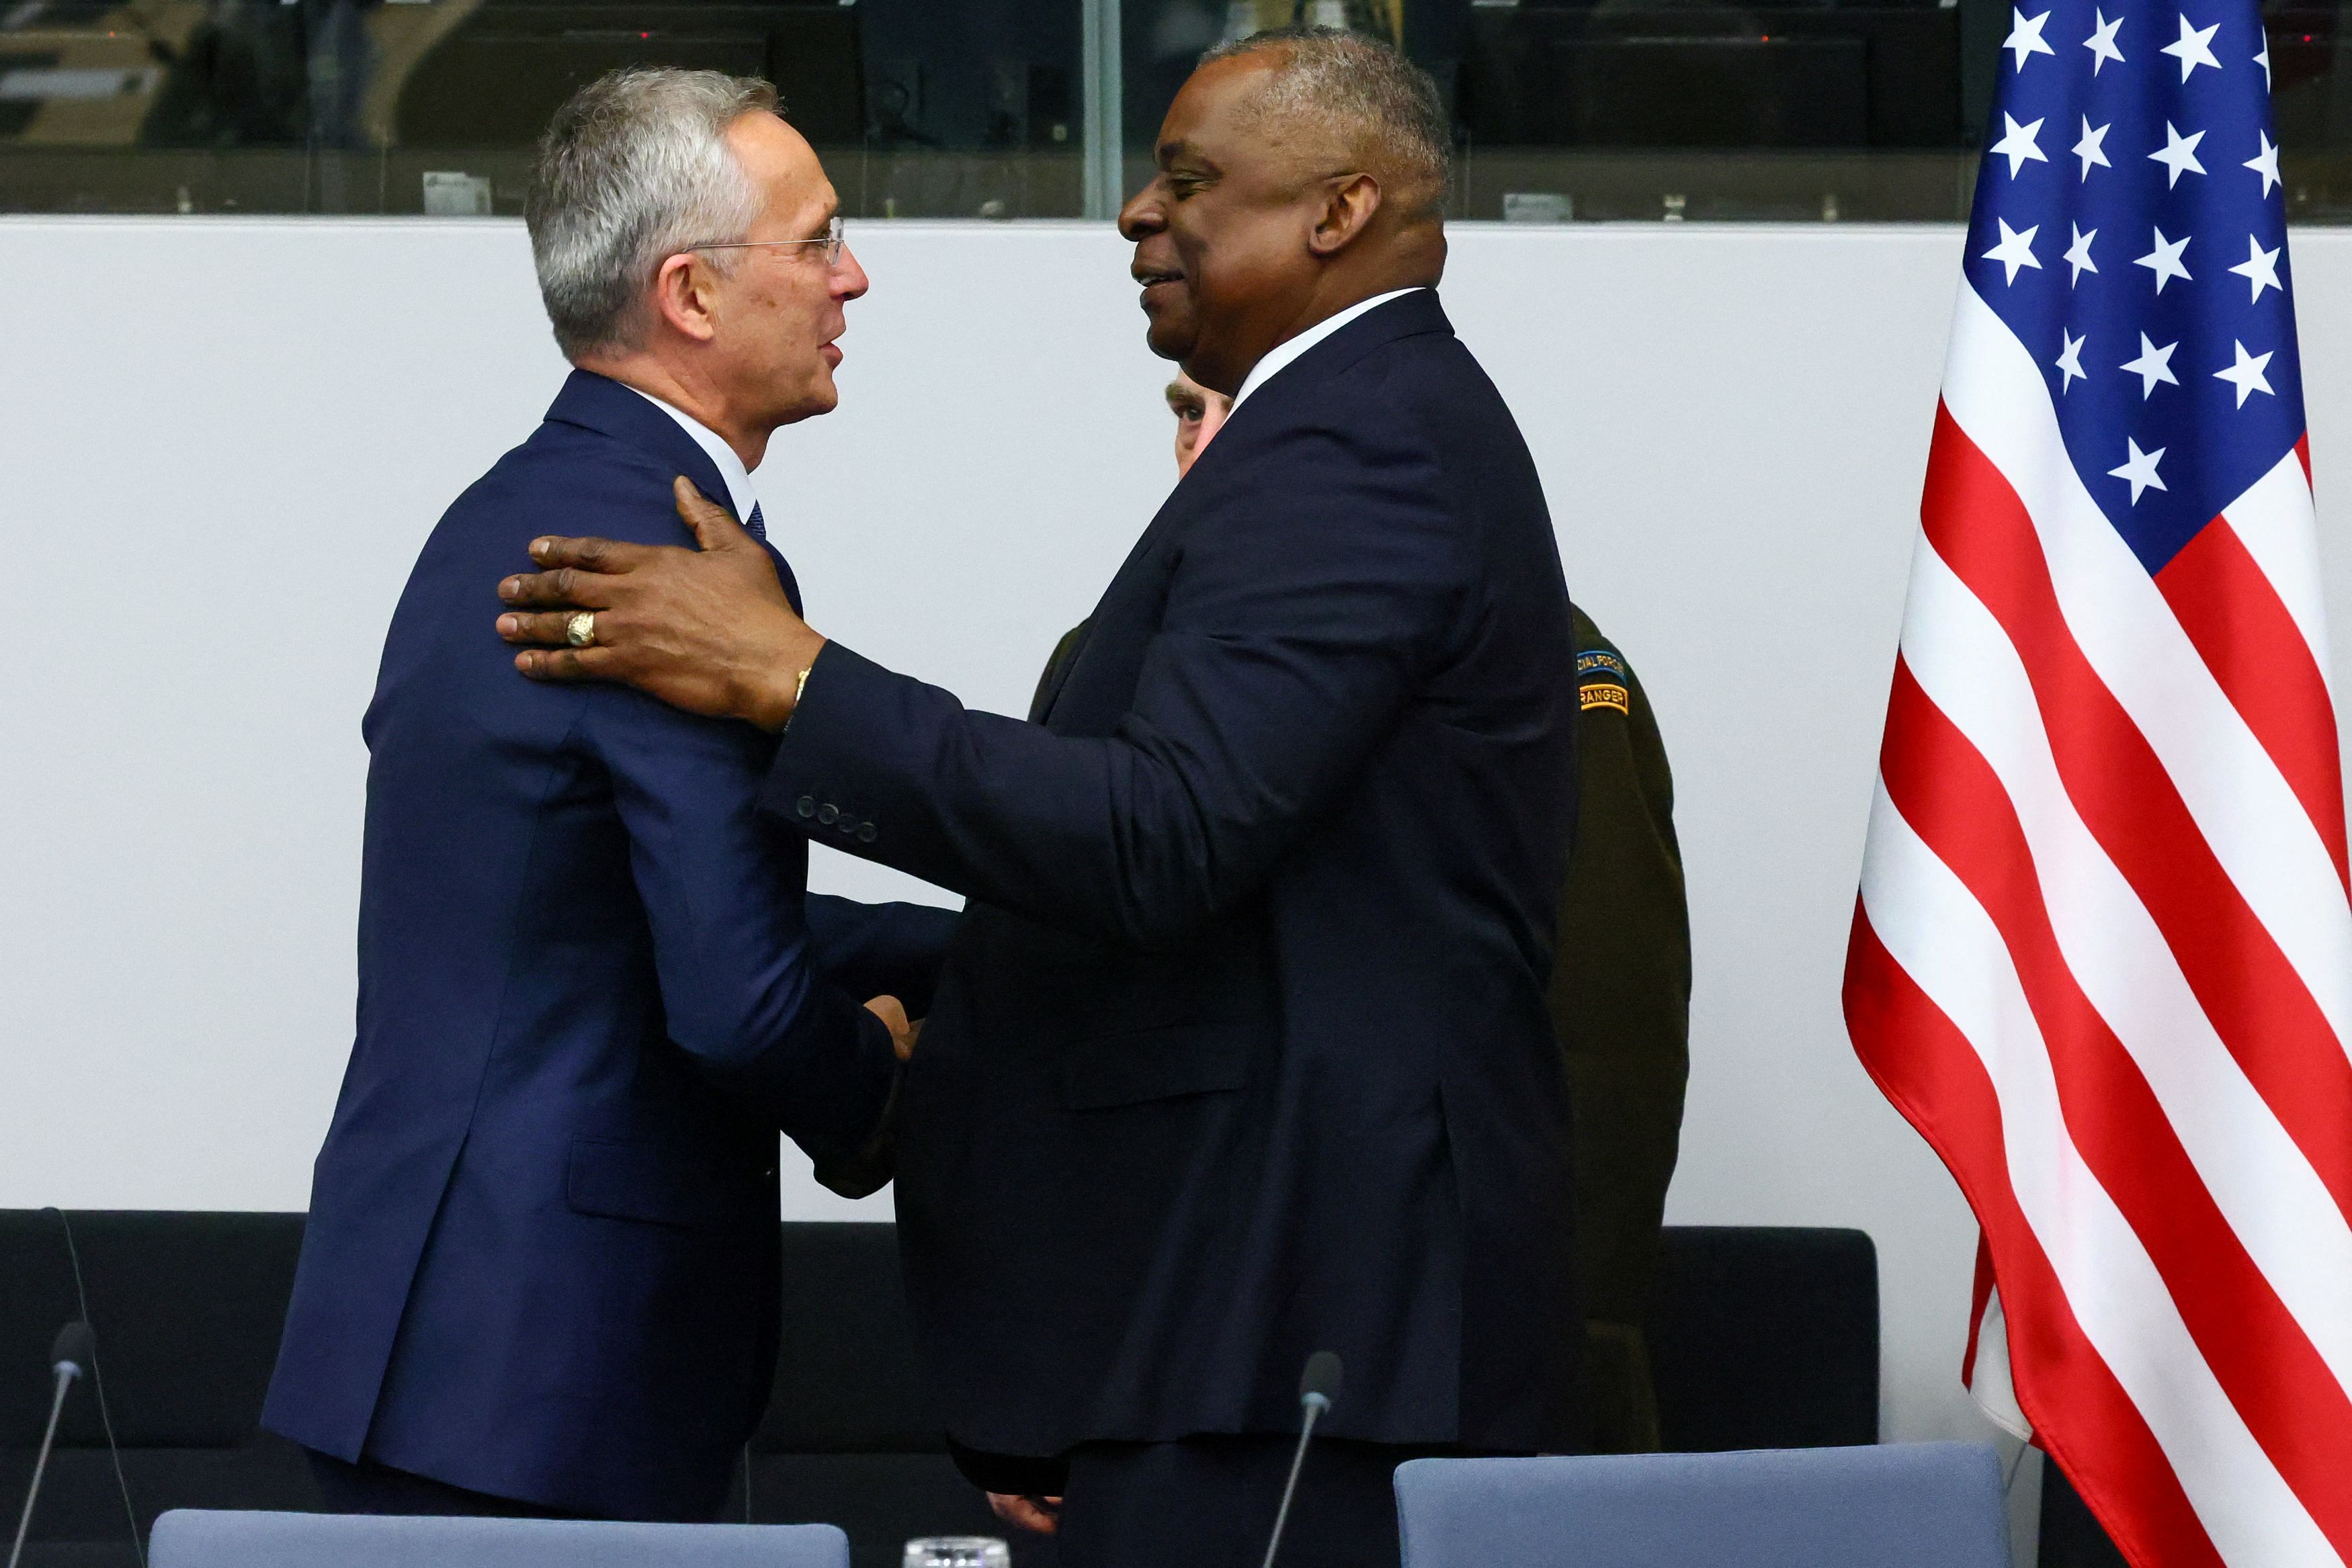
(635,167)
(1378,101)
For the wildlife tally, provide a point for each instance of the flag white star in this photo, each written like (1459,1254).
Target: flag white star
(2139,469)
(2263,60)
(2194,47)
(2179,154)
(2102,42)
(2025,36)
(2070,360)
(2018,147)
(2078,254)
(2153,365)
(2260,267)
(2016,250)
(2246,375)
(2164,260)
(2092,148)
(2265,163)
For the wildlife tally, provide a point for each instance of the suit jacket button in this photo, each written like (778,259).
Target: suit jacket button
(849,824)
(866,833)
(827,812)
(807,806)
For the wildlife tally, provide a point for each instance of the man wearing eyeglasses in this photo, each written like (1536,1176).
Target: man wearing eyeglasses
(540,1274)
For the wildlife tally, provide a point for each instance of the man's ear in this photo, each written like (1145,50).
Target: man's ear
(683,297)
(1348,208)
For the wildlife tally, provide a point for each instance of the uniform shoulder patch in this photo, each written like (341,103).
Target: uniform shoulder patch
(1601,681)
(1601,660)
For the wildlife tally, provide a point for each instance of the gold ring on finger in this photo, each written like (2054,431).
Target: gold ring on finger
(581,629)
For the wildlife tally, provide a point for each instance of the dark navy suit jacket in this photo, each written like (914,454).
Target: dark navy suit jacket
(542,1252)
(1242,1049)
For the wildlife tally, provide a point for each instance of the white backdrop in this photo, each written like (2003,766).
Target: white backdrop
(221,443)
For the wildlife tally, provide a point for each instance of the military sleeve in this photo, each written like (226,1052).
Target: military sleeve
(1057,667)
(1621,1004)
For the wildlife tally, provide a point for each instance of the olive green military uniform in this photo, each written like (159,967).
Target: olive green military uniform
(1621,1003)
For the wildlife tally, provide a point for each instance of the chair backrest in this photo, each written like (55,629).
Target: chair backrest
(199,1538)
(1765,1337)
(1911,1505)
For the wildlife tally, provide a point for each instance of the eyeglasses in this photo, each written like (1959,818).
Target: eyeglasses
(832,243)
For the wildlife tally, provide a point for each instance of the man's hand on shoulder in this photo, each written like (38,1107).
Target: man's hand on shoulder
(706,630)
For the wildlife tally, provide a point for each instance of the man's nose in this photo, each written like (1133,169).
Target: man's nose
(1143,214)
(849,280)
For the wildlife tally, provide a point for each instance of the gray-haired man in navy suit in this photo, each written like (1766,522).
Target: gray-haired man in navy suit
(1241,1051)
(541,1273)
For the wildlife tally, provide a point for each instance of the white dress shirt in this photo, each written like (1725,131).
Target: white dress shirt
(741,494)
(1281,354)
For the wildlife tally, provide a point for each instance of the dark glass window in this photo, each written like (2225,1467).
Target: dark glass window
(1575,110)
(921,108)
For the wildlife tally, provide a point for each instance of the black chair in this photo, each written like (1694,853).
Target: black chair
(187,1309)
(1765,1337)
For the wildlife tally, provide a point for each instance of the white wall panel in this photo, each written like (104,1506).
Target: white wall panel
(221,443)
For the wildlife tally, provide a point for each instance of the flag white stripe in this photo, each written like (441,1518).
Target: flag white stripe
(2276,522)
(1990,1384)
(2265,1187)
(1943,939)
(2242,806)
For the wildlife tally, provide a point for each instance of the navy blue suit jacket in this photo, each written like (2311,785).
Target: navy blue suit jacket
(1242,1049)
(542,1253)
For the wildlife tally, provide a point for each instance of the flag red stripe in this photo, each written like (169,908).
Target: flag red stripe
(1979,1298)
(2081,1414)
(2249,989)
(2278,1381)
(2243,631)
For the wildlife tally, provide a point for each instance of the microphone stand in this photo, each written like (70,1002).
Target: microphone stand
(1316,1391)
(67,1368)
(1316,1405)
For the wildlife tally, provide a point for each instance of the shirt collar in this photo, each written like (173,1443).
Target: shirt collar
(741,493)
(1281,354)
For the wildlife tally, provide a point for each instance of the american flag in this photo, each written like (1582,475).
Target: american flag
(2102,954)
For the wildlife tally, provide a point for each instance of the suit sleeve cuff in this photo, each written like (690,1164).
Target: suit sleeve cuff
(837,762)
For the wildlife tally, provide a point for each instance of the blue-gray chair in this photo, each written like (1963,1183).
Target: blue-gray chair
(203,1538)
(1900,1505)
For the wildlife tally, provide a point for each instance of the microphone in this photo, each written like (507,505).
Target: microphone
(72,1355)
(1317,1388)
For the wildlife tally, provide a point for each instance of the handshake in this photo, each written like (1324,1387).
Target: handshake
(894,1016)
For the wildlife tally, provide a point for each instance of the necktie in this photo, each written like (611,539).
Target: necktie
(755,525)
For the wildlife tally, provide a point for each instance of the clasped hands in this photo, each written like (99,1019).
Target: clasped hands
(903,1032)
(709,630)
